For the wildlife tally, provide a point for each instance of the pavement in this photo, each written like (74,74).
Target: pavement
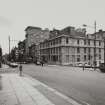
(7,69)
(4,67)
(24,90)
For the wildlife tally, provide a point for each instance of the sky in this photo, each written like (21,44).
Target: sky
(16,15)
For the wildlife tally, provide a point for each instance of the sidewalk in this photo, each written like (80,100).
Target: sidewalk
(4,66)
(24,90)
(7,69)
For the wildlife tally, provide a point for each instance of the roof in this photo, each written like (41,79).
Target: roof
(32,27)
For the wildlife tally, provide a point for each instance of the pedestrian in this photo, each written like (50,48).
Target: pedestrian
(42,62)
(83,67)
(20,69)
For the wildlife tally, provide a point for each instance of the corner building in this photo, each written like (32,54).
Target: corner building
(70,46)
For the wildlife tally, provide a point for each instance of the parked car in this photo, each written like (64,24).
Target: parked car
(102,67)
(79,64)
(38,63)
(88,66)
(13,65)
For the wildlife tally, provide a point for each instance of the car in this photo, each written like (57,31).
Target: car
(13,65)
(38,63)
(79,64)
(87,65)
(102,67)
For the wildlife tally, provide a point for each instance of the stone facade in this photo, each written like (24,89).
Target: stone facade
(69,49)
(68,46)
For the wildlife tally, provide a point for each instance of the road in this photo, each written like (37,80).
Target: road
(83,86)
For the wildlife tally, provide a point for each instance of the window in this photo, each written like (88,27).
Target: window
(99,56)
(67,58)
(59,41)
(89,50)
(78,59)
(67,40)
(89,57)
(48,44)
(53,42)
(94,50)
(99,50)
(56,41)
(77,41)
(88,42)
(84,57)
(67,50)
(84,50)
(94,43)
(99,62)
(54,50)
(99,43)
(84,42)
(51,51)
(78,50)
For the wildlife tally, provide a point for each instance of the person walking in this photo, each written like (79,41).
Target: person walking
(20,69)
(42,62)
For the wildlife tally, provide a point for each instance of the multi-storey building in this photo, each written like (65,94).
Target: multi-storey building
(71,46)
(20,53)
(34,35)
(68,46)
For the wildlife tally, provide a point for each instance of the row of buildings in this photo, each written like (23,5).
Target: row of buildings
(67,46)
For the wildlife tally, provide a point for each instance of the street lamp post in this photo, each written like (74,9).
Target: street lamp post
(84,25)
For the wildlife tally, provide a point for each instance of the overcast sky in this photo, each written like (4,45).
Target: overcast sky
(16,15)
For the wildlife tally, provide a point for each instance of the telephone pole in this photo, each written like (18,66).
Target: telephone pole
(9,40)
(9,47)
(95,62)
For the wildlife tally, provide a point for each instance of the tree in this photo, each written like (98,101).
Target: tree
(0,52)
(13,57)
(0,56)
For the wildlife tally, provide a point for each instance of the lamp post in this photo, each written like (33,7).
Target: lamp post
(9,47)
(84,25)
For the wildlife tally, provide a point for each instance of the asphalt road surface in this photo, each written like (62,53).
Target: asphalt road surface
(83,86)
